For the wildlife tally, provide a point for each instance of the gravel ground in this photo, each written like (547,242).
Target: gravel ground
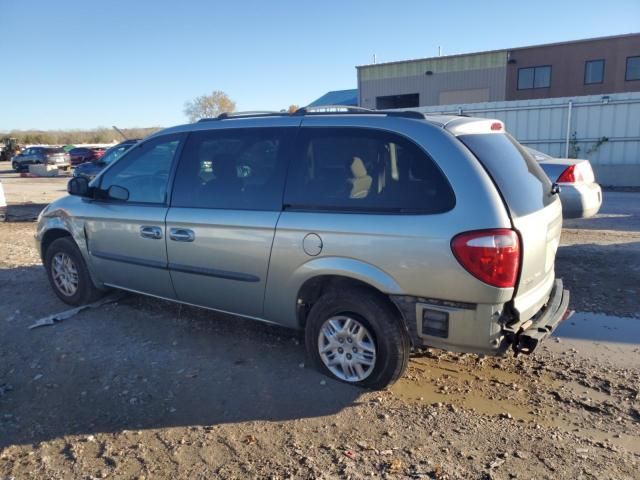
(141,388)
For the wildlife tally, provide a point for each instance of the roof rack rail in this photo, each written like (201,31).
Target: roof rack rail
(406,114)
(249,113)
(332,109)
(319,110)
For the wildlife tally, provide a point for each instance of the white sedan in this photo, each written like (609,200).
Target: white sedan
(580,195)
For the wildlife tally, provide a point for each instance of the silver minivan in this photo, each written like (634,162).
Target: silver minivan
(373,231)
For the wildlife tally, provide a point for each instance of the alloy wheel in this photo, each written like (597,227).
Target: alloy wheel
(65,274)
(347,348)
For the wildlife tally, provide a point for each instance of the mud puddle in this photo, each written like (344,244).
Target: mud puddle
(484,389)
(497,387)
(599,327)
(602,339)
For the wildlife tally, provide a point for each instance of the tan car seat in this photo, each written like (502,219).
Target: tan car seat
(360,182)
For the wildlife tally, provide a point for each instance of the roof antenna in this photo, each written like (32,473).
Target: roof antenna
(120,132)
(374,58)
(439,51)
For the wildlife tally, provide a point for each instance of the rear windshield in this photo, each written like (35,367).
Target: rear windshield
(53,150)
(523,184)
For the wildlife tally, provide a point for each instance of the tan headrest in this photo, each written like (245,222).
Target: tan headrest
(357,168)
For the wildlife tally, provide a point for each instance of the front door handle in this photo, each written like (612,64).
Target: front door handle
(154,233)
(182,235)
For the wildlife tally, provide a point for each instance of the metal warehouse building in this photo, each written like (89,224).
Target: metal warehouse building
(582,67)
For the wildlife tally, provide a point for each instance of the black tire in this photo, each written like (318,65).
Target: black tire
(381,319)
(86,291)
(15,166)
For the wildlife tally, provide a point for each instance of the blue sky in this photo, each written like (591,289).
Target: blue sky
(83,64)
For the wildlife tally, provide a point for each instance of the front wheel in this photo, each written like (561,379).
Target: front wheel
(357,337)
(68,273)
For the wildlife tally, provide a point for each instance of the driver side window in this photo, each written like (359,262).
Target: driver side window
(144,171)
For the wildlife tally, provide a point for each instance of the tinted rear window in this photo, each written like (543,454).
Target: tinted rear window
(523,184)
(53,150)
(357,169)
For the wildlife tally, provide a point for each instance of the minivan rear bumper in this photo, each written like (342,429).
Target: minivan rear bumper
(480,329)
(541,325)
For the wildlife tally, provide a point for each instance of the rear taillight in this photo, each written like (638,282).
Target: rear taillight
(492,256)
(580,172)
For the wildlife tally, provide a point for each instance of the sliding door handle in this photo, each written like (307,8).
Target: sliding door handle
(154,233)
(182,235)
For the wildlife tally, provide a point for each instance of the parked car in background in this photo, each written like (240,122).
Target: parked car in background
(387,230)
(84,154)
(91,169)
(40,155)
(580,195)
(3,204)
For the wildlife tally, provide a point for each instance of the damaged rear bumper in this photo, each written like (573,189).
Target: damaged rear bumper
(532,332)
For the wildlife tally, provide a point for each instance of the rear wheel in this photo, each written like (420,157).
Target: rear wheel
(68,273)
(356,337)
(15,166)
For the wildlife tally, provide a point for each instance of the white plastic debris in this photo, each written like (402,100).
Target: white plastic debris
(58,317)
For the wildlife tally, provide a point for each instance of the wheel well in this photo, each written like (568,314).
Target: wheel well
(49,237)
(315,287)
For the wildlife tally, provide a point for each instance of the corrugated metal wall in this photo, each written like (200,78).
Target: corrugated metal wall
(453,63)
(460,73)
(542,124)
(431,86)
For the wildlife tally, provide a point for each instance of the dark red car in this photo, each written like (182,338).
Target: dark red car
(85,154)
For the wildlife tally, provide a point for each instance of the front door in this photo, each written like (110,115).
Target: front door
(225,205)
(25,157)
(126,238)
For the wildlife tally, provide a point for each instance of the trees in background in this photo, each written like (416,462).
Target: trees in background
(65,137)
(208,106)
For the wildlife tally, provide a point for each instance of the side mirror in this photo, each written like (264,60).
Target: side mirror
(115,192)
(78,186)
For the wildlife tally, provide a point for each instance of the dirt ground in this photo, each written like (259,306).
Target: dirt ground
(141,388)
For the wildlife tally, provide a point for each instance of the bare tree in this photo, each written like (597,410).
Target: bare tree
(207,106)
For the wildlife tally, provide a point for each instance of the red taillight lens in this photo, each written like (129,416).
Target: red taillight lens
(492,256)
(568,176)
(580,172)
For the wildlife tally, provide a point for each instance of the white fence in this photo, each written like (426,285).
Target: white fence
(602,128)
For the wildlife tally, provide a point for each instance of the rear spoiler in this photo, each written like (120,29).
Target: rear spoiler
(474,126)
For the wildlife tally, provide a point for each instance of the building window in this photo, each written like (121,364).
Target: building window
(593,71)
(398,101)
(633,68)
(534,77)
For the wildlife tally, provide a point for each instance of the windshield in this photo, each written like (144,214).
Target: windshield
(114,153)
